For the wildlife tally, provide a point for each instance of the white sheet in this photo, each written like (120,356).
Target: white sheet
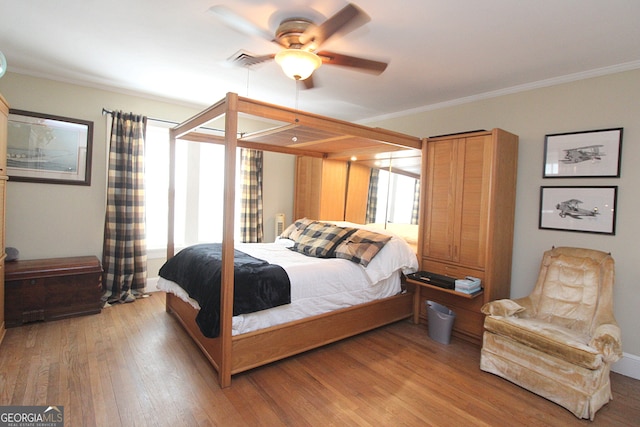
(319,285)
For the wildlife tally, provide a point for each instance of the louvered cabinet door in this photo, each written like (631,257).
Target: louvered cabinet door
(472,200)
(440,210)
(320,189)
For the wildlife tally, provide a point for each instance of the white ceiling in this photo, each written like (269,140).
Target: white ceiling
(439,51)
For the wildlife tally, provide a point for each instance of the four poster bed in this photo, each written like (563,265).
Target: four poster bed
(231,349)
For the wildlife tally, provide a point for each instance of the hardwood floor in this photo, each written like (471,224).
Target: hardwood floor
(134,365)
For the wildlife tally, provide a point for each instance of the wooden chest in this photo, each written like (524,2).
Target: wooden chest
(49,289)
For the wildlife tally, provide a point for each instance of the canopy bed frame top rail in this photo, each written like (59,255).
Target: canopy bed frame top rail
(335,139)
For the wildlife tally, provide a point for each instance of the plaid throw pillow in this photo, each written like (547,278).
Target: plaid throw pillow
(361,246)
(294,231)
(319,239)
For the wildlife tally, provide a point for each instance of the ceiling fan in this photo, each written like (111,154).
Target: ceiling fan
(301,39)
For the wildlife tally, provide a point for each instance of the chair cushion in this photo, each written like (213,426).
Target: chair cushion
(570,292)
(555,340)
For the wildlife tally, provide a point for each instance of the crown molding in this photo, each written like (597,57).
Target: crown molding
(598,72)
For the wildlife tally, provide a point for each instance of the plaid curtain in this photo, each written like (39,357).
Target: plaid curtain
(372,198)
(251,227)
(415,211)
(124,258)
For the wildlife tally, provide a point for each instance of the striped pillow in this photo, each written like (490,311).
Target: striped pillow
(319,239)
(361,246)
(294,231)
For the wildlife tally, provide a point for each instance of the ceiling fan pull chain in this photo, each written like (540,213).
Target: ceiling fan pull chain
(295,134)
(248,74)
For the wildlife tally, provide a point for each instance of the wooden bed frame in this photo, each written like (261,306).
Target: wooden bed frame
(294,132)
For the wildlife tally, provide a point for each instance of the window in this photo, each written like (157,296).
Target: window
(198,193)
(395,198)
(156,185)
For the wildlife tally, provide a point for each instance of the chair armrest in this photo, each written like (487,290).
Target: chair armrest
(607,341)
(502,307)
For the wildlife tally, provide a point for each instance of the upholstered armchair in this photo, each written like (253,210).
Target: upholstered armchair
(559,341)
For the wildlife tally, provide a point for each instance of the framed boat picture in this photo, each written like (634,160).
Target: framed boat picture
(48,149)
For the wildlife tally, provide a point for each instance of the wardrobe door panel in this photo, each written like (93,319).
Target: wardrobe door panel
(474,157)
(320,189)
(440,200)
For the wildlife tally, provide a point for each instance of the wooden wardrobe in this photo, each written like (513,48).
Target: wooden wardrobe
(329,189)
(466,229)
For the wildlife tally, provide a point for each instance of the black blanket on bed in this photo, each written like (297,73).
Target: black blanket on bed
(258,285)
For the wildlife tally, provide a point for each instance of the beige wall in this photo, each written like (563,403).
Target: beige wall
(596,103)
(278,177)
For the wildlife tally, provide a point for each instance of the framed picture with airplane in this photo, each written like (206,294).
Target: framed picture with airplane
(586,154)
(582,209)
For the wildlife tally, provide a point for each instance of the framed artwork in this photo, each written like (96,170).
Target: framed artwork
(48,149)
(582,209)
(594,153)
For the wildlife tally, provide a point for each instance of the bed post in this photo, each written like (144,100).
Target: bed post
(171,196)
(226,300)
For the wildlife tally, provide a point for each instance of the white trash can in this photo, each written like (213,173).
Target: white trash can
(440,322)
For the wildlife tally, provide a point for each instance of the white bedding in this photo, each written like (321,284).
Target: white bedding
(319,285)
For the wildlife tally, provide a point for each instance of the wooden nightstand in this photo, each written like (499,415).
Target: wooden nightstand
(49,289)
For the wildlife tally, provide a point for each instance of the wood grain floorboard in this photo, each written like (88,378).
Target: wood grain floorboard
(133,365)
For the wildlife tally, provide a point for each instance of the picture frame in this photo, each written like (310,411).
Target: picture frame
(49,149)
(592,153)
(579,208)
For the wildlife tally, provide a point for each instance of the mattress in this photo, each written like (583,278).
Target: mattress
(319,285)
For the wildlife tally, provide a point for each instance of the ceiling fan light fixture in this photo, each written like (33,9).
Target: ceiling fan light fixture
(298,64)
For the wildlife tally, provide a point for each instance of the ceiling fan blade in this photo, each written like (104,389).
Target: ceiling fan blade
(307,83)
(347,19)
(239,23)
(360,64)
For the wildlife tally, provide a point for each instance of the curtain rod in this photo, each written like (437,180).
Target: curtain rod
(105,111)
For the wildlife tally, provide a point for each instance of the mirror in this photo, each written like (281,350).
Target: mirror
(393,197)
(394,187)
(396,198)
